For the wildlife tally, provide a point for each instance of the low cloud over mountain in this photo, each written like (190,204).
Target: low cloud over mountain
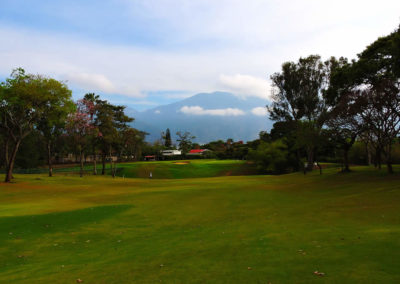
(208,116)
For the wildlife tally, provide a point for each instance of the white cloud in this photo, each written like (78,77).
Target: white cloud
(197,110)
(246,85)
(157,111)
(259,111)
(97,82)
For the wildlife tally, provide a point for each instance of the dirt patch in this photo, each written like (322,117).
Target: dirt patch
(182,163)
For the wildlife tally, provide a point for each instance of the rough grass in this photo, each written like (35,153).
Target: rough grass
(233,229)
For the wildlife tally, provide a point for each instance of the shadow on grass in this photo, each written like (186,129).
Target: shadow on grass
(31,226)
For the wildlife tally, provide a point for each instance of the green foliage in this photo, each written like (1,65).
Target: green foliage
(26,157)
(271,157)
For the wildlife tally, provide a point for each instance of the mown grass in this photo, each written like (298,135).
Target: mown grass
(232,229)
(187,169)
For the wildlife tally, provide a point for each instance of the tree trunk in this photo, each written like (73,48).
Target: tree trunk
(389,160)
(81,164)
(390,167)
(94,162)
(6,156)
(346,159)
(310,159)
(94,166)
(114,170)
(299,164)
(378,157)
(320,168)
(368,152)
(10,165)
(111,165)
(49,159)
(103,161)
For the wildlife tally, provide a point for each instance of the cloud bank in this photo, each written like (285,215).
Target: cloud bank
(246,85)
(197,110)
(260,111)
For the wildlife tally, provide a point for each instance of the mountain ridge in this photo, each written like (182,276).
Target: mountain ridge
(209,119)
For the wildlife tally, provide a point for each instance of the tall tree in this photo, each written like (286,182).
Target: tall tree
(298,95)
(55,112)
(24,101)
(168,141)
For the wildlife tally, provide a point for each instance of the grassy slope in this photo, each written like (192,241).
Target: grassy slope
(202,230)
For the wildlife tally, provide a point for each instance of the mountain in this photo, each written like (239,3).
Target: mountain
(208,116)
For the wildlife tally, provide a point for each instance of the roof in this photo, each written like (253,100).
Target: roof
(195,151)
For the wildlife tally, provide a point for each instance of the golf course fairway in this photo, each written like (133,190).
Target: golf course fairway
(295,228)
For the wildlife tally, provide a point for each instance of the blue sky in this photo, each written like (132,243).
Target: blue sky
(146,53)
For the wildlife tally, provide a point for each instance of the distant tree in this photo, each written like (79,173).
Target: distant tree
(132,142)
(185,141)
(167,139)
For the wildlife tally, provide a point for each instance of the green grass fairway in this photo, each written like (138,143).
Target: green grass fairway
(231,229)
(187,169)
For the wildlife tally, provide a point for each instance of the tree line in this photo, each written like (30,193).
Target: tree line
(40,111)
(319,104)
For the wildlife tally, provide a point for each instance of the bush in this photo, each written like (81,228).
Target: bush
(272,157)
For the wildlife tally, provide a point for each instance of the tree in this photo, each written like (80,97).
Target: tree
(110,121)
(132,142)
(373,85)
(24,101)
(55,112)
(167,138)
(89,106)
(298,95)
(79,129)
(345,125)
(185,141)
(380,112)
(377,74)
